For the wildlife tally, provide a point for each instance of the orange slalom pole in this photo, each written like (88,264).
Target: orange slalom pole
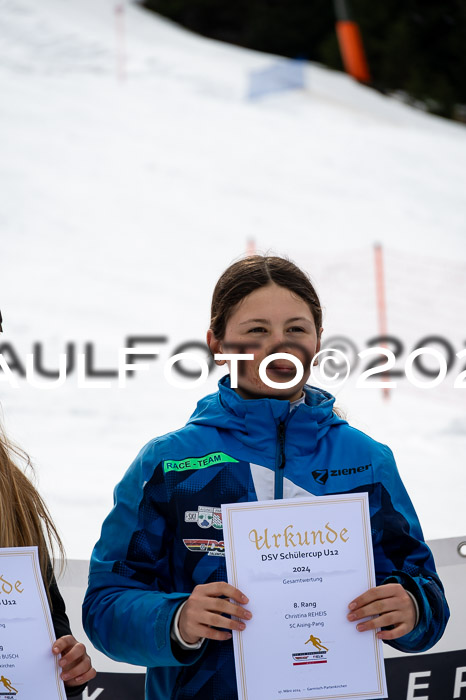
(352,50)
(381,303)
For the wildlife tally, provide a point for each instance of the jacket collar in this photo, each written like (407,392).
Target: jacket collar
(254,422)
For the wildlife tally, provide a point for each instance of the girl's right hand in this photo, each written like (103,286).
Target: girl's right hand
(204,612)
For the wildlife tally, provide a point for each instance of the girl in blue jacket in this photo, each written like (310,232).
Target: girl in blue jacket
(158,595)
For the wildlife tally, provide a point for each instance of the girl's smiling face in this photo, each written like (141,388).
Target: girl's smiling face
(268,320)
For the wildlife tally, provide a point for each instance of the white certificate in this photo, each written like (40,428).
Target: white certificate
(301,561)
(28,669)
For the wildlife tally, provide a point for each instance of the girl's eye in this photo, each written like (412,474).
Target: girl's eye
(296,328)
(257,329)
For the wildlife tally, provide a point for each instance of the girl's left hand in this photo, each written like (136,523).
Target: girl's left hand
(393,606)
(75,663)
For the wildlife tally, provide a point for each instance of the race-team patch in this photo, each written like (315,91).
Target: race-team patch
(212,548)
(181,465)
(205,517)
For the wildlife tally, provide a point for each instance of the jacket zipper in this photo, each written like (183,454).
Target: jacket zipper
(280,461)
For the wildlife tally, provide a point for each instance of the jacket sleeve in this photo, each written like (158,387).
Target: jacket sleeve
(61,626)
(129,604)
(402,556)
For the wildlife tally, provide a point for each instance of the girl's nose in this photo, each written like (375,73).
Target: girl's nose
(276,338)
(278,342)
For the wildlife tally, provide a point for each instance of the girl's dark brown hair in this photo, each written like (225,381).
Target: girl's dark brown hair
(251,273)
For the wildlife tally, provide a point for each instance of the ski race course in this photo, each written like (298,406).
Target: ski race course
(138,161)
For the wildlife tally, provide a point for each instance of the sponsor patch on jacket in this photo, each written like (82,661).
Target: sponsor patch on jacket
(182,465)
(212,548)
(205,517)
(321,475)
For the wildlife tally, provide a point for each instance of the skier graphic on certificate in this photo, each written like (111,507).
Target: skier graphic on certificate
(317,643)
(7,684)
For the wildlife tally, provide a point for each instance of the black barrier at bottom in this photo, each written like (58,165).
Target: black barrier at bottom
(426,677)
(116,686)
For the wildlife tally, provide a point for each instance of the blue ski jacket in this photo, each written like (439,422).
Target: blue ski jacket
(164,534)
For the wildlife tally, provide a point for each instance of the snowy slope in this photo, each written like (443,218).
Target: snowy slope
(124,199)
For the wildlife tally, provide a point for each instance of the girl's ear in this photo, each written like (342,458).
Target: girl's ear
(319,338)
(316,361)
(215,345)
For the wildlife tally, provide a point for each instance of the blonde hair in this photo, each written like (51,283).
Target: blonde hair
(24,517)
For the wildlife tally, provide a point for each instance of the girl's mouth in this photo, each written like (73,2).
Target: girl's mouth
(281,369)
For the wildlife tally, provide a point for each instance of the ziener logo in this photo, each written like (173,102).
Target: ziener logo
(321,475)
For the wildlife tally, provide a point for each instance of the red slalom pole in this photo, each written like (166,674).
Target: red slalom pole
(251,247)
(381,303)
(350,43)
(120,41)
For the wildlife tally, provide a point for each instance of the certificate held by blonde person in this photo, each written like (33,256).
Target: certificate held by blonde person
(28,669)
